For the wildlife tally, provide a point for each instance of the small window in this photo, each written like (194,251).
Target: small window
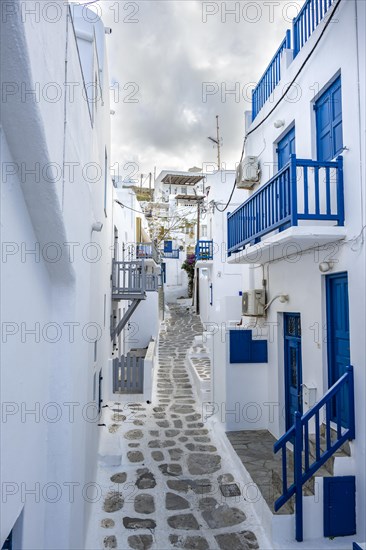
(286,148)
(204,230)
(329,133)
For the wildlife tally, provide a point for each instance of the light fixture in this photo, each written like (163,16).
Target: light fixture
(324,267)
(284,298)
(97,226)
(279,123)
(112,112)
(107,30)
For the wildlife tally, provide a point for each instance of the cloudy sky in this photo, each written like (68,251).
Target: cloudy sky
(172,65)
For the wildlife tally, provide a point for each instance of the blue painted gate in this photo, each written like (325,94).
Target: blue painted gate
(338,338)
(293,367)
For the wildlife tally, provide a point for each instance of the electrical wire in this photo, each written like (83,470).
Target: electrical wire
(281,98)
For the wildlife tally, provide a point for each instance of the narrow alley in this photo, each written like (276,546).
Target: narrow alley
(168,491)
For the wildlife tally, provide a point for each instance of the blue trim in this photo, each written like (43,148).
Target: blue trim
(274,206)
(204,250)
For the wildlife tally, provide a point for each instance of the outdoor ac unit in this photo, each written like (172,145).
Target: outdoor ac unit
(254,302)
(247,173)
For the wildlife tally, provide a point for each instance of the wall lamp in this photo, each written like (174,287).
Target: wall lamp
(279,123)
(97,226)
(324,267)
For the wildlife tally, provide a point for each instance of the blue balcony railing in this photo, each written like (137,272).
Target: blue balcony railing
(270,79)
(339,397)
(312,12)
(174,254)
(204,250)
(301,190)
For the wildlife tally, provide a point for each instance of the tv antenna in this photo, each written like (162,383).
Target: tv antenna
(217,142)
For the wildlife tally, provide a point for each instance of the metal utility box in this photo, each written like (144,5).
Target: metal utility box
(339,506)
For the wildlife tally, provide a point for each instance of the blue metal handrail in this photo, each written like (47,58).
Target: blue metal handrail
(204,250)
(270,78)
(312,12)
(298,434)
(277,205)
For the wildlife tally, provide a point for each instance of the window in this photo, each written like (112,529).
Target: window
(286,148)
(328,111)
(204,230)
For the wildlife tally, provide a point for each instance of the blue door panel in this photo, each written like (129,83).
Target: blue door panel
(329,122)
(293,367)
(285,148)
(338,338)
(339,506)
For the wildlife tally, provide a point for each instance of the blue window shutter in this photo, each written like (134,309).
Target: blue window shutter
(243,349)
(286,148)
(329,133)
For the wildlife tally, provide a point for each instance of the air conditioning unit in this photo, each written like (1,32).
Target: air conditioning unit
(253,304)
(247,173)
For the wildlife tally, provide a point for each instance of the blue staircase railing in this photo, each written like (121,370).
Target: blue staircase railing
(337,398)
(301,190)
(204,250)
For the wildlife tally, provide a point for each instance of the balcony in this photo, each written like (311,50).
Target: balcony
(304,25)
(301,207)
(130,280)
(147,251)
(204,250)
(174,254)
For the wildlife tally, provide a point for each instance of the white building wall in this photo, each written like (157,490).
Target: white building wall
(299,276)
(63,296)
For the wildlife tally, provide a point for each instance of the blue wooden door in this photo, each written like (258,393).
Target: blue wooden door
(293,367)
(286,148)
(329,135)
(338,338)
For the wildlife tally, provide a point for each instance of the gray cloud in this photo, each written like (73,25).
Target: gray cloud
(169,53)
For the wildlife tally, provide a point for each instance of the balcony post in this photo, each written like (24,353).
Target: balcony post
(340,191)
(293,190)
(351,402)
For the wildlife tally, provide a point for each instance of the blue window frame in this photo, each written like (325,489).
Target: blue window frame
(329,134)
(8,543)
(286,148)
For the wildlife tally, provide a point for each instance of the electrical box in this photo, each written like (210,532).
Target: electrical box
(309,395)
(253,303)
(247,174)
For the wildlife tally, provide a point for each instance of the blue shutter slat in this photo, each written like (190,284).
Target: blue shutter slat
(328,111)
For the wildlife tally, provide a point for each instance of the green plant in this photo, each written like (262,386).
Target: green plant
(189,265)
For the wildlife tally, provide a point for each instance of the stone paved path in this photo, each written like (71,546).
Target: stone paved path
(169,490)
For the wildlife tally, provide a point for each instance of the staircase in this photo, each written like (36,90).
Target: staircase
(314,454)
(130,281)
